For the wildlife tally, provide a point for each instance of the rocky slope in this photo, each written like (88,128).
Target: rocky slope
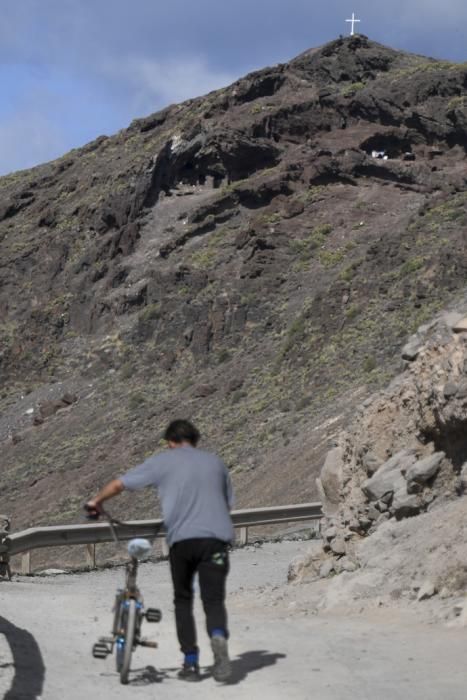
(394,484)
(242,259)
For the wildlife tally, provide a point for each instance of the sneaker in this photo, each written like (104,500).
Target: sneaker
(189,672)
(222,669)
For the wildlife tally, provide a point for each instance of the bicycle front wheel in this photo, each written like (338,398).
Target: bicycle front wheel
(126,641)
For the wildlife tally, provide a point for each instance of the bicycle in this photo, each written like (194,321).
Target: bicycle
(129,609)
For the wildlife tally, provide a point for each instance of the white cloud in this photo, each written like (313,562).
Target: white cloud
(27,139)
(157,83)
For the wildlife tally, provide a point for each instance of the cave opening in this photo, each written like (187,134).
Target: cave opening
(450,438)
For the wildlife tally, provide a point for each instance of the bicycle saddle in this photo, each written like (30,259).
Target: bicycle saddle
(139,547)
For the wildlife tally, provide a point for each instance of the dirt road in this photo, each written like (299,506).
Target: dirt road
(279,649)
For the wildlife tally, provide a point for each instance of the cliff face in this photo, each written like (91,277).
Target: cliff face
(253,259)
(406,453)
(394,484)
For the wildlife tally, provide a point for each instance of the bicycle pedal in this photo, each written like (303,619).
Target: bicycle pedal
(153,615)
(148,643)
(106,640)
(100,651)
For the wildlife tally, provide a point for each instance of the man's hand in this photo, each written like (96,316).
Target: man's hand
(94,506)
(93,510)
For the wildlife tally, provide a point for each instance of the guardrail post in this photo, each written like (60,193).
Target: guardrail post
(243,536)
(91,555)
(26,563)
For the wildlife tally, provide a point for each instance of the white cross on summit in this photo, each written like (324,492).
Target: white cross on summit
(353,20)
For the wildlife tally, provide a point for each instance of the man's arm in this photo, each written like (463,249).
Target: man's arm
(145,474)
(113,488)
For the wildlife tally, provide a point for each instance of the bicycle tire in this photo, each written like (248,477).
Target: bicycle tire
(117,613)
(119,620)
(129,629)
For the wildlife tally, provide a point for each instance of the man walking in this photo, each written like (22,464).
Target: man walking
(196,496)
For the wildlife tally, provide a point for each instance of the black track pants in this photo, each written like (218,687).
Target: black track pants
(210,558)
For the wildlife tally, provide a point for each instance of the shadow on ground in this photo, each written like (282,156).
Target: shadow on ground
(149,675)
(28,664)
(251,661)
(242,666)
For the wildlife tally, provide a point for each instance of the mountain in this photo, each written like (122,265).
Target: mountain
(253,259)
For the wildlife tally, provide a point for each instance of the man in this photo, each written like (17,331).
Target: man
(196,496)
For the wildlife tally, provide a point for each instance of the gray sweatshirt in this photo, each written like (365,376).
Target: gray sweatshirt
(194,489)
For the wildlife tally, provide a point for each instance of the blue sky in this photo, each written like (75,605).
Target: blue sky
(71,70)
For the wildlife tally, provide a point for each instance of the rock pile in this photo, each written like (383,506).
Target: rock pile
(406,453)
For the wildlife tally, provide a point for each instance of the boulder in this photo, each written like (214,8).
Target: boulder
(373,513)
(381,506)
(423,470)
(388,478)
(371,463)
(462,389)
(293,207)
(49,408)
(330,533)
(450,390)
(300,565)
(346,564)
(338,546)
(405,505)
(331,479)
(364,523)
(411,350)
(452,319)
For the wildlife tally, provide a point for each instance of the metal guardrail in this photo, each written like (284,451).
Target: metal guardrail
(91,534)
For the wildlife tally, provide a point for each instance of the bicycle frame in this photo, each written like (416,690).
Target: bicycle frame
(128,616)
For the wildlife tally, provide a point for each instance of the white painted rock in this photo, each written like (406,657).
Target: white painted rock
(460,326)
(428,590)
(51,572)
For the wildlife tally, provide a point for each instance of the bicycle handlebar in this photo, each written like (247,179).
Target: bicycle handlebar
(94,514)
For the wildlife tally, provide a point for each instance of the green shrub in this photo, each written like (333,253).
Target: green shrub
(412,266)
(150,312)
(369,364)
(127,370)
(457,102)
(222,356)
(137,399)
(330,258)
(352,311)
(323,230)
(352,89)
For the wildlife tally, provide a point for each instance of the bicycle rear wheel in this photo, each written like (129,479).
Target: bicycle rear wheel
(126,642)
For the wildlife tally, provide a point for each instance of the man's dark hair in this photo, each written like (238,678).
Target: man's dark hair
(182,431)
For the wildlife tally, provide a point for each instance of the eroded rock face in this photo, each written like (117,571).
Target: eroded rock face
(407,451)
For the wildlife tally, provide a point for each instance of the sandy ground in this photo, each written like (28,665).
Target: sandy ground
(280,648)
